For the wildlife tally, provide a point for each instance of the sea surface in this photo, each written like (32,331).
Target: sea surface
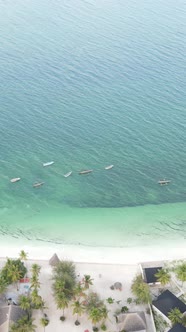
(86,84)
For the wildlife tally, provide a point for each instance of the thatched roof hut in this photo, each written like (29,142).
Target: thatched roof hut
(130,322)
(54,260)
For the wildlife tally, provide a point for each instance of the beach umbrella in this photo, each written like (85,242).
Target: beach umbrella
(54,260)
(118,285)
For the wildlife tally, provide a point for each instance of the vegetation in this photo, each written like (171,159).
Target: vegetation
(181,272)
(163,276)
(25,304)
(160,323)
(78,309)
(129,300)
(23,325)
(141,290)
(44,321)
(64,285)
(175,316)
(124,309)
(87,281)
(13,271)
(110,300)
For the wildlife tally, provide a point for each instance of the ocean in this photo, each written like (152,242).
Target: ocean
(86,84)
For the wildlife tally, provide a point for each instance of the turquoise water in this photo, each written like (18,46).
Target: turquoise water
(88,84)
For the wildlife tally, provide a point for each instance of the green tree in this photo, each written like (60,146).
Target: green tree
(44,322)
(3,285)
(36,300)
(25,304)
(181,272)
(23,255)
(95,316)
(163,276)
(183,320)
(141,290)
(93,301)
(23,325)
(35,269)
(79,291)
(175,316)
(62,302)
(104,312)
(110,300)
(78,309)
(34,281)
(129,300)
(13,270)
(87,280)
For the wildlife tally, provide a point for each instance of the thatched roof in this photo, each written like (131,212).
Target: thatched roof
(134,321)
(54,260)
(118,285)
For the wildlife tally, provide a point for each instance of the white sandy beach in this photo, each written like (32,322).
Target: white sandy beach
(105,265)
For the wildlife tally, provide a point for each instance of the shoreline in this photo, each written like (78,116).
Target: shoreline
(96,255)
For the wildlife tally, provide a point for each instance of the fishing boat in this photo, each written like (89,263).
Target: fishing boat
(164,182)
(67,174)
(15,180)
(109,167)
(48,164)
(86,171)
(38,184)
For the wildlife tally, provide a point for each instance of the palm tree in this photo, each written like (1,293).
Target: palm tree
(25,304)
(36,269)
(15,274)
(141,290)
(78,309)
(23,325)
(175,316)
(62,302)
(181,272)
(3,285)
(87,281)
(35,281)
(78,291)
(44,322)
(95,315)
(104,312)
(163,276)
(23,255)
(183,321)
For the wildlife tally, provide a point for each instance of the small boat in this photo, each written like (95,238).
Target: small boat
(15,180)
(109,167)
(38,184)
(86,171)
(67,174)
(48,164)
(164,182)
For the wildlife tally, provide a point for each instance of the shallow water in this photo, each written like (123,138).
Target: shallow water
(88,84)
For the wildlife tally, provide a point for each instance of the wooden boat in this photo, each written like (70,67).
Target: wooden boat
(48,164)
(15,180)
(38,184)
(109,167)
(86,171)
(164,182)
(67,174)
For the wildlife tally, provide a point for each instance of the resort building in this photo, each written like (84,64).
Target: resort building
(149,275)
(178,328)
(165,303)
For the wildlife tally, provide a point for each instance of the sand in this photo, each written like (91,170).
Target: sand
(105,265)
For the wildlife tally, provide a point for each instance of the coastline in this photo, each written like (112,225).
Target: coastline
(95,255)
